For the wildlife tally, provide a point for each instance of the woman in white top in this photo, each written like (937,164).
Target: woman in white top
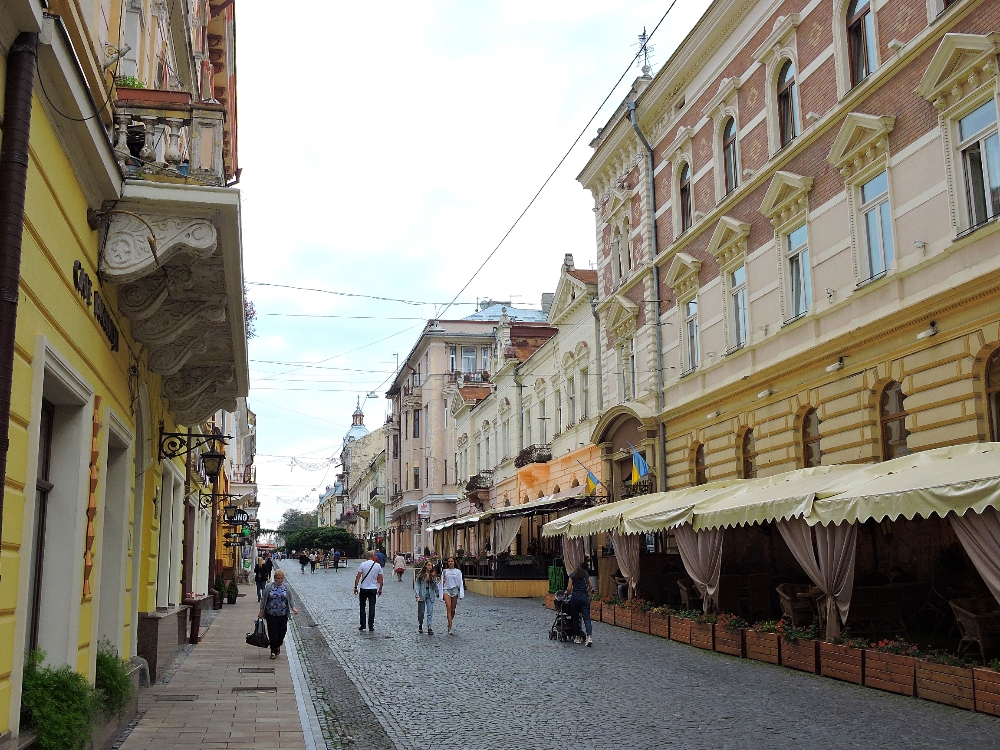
(399,565)
(452,589)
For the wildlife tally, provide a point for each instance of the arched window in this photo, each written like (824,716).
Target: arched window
(811,453)
(626,248)
(892,422)
(729,155)
(788,114)
(993,395)
(860,40)
(616,249)
(685,192)
(700,469)
(748,469)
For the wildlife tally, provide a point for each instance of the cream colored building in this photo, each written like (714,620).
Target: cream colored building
(823,284)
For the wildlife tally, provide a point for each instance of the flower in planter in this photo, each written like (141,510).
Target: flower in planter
(897,645)
(790,633)
(707,618)
(940,656)
(846,639)
(766,626)
(731,623)
(612,601)
(995,665)
(686,614)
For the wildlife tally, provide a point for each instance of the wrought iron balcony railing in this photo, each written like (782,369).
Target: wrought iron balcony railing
(534,454)
(481,481)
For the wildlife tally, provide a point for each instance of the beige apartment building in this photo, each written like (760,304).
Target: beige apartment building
(822,283)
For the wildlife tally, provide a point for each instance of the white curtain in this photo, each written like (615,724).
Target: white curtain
(979,533)
(573,552)
(701,553)
(830,566)
(504,532)
(627,555)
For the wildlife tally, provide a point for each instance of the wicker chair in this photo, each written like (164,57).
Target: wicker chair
(690,596)
(799,611)
(979,623)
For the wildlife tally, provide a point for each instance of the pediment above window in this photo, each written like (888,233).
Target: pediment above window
(622,316)
(681,144)
(726,95)
(729,240)
(960,65)
(682,276)
(862,139)
(620,198)
(786,197)
(780,35)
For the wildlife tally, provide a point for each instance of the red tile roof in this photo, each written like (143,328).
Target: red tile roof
(587,276)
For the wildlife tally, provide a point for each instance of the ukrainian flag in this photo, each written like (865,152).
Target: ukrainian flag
(592,483)
(639,466)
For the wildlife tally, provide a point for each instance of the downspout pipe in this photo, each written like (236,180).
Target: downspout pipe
(600,366)
(13,184)
(657,326)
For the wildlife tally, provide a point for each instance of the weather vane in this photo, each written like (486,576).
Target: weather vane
(645,52)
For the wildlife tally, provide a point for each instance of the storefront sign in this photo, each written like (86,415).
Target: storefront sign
(85,286)
(424,509)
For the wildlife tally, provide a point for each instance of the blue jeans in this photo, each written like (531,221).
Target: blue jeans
(425,605)
(580,607)
(623,592)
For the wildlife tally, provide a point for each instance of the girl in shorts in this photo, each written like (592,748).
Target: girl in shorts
(452,589)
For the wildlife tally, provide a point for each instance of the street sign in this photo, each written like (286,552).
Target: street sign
(424,509)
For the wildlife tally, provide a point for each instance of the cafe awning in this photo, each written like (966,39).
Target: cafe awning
(957,478)
(675,507)
(547,504)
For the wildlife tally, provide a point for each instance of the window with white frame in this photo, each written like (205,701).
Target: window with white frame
(788,106)
(468,359)
(860,40)
(487,465)
(631,367)
(692,348)
(979,146)
(571,398)
(799,281)
(506,438)
(877,220)
(479,457)
(584,393)
(452,358)
(527,427)
(486,359)
(729,161)
(739,307)
(684,199)
(543,432)
(558,396)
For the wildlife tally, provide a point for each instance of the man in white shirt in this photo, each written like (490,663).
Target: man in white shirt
(368,586)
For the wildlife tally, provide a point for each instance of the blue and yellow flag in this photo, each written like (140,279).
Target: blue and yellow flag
(639,466)
(592,481)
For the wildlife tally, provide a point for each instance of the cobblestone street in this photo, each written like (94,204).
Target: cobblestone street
(501,683)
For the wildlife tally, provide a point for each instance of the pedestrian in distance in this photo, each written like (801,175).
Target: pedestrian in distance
(261,573)
(303,561)
(380,556)
(578,587)
(275,607)
(336,560)
(425,587)
(399,565)
(368,585)
(269,564)
(312,561)
(452,589)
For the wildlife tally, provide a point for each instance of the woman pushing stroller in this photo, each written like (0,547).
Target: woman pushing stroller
(578,586)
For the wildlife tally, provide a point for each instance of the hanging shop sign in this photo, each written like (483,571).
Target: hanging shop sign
(85,286)
(424,508)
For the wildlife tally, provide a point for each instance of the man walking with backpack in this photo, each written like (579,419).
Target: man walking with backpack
(368,586)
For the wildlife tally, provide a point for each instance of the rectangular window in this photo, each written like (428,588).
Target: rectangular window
(488,464)
(558,412)
(543,431)
(416,477)
(395,446)
(878,226)
(799,280)
(739,306)
(407,475)
(585,393)
(486,359)
(692,349)
(452,358)
(479,457)
(506,438)
(571,399)
(416,376)
(527,427)
(416,423)
(980,147)
(468,359)
(631,366)
(406,424)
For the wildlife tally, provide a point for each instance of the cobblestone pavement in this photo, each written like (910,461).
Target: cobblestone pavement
(502,684)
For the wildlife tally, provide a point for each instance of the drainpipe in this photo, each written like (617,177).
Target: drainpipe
(520,410)
(600,367)
(13,181)
(661,440)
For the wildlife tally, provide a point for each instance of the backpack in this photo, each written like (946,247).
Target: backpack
(277,603)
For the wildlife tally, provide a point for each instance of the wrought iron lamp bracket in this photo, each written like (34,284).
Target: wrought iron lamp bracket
(207,499)
(178,444)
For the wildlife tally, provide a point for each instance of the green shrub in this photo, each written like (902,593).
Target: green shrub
(130,82)
(220,586)
(995,665)
(790,633)
(232,591)
(766,626)
(846,639)
(57,704)
(686,614)
(732,623)
(113,680)
(940,656)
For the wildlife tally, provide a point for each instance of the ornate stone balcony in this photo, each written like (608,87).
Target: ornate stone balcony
(481,481)
(534,454)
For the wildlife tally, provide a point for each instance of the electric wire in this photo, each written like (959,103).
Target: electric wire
(351,294)
(576,140)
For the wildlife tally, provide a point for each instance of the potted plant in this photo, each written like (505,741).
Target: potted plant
(608,607)
(891,665)
(232,592)
(945,678)
(800,646)
(987,684)
(680,624)
(595,606)
(763,642)
(843,658)
(640,615)
(623,614)
(659,622)
(703,631)
(730,630)
(219,592)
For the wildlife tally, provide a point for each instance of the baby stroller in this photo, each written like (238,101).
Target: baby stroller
(562,627)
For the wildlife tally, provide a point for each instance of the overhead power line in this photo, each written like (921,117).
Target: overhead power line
(352,294)
(640,53)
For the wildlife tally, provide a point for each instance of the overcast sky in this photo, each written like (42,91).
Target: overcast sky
(386,148)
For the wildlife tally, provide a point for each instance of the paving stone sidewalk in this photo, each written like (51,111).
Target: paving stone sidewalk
(209,703)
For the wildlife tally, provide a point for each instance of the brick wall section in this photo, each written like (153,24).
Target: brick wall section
(637,296)
(814,35)
(899,19)
(818,93)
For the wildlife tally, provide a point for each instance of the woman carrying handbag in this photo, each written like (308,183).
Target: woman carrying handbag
(274,608)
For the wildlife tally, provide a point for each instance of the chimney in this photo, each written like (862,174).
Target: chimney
(547,300)
(568,262)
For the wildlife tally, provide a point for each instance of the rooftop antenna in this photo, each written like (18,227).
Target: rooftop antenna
(645,52)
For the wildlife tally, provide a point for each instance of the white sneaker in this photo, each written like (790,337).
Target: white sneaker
(590,641)
(577,639)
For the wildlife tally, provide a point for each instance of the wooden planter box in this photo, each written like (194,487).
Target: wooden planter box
(680,629)
(595,611)
(659,625)
(730,643)
(154,97)
(842,662)
(891,672)
(550,601)
(802,655)
(623,617)
(608,613)
(943,684)
(987,683)
(703,635)
(763,646)
(640,621)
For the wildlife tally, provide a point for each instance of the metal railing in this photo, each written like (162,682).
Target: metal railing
(534,454)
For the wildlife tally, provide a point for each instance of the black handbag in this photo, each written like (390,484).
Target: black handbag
(259,635)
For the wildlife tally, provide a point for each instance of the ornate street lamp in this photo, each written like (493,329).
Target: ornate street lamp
(211,461)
